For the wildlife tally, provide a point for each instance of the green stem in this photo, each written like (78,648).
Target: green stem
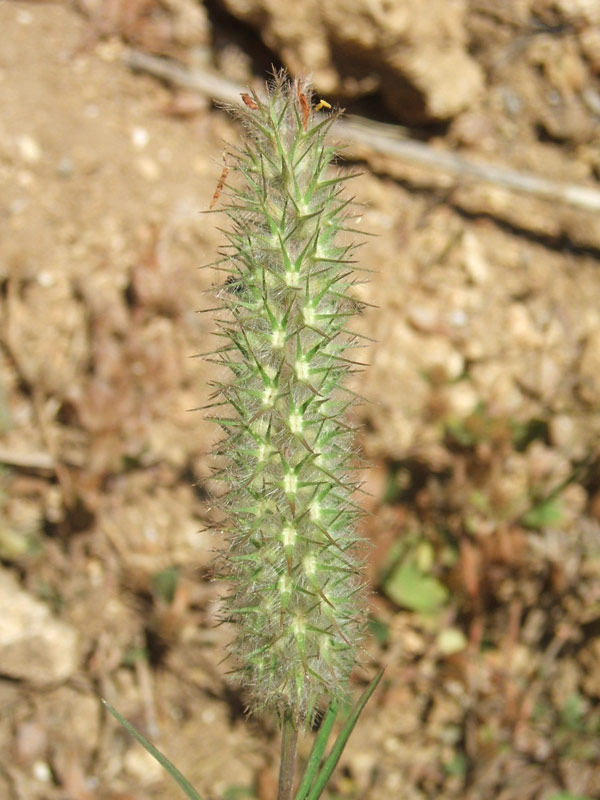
(287,770)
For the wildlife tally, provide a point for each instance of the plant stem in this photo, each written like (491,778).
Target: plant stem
(287,770)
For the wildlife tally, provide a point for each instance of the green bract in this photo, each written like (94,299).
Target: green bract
(289,453)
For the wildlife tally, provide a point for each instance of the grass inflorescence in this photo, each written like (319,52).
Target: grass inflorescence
(289,453)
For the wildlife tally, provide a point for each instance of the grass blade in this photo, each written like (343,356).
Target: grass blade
(162,760)
(316,754)
(337,749)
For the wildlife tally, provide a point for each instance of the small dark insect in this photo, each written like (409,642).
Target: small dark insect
(232,284)
(220,186)
(249,101)
(304,107)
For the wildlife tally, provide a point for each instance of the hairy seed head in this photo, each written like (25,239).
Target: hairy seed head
(291,559)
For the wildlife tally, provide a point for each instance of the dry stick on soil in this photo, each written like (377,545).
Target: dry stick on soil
(34,461)
(385,139)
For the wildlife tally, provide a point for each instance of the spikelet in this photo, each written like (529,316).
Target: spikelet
(292,559)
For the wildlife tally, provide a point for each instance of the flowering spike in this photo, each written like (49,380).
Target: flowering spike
(292,561)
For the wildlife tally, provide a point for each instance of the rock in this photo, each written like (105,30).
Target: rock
(29,149)
(562,431)
(424,318)
(295,31)
(440,361)
(424,83)
(461,400)
(590,45)
(541,375)
(474,261)
(143,767)
(522,328)
(587,11)
(589,369)
(34,646)
(419,62)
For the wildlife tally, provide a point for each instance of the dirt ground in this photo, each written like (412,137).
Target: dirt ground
(482,418)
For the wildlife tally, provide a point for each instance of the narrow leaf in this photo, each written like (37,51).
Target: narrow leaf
(162,760)
(333,758)
(318,748)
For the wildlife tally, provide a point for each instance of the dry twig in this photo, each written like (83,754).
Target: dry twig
(387,140)
(37,461)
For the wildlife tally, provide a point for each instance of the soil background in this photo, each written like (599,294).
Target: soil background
(481,417)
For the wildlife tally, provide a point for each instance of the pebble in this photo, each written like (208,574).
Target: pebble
(513,104)
(65,167)
(461,399)
(142,766)
(34,645)
(590,44)
(148,168)
(423,318)
(589,369)
(591,97)
(474,261)
(29,149)
(25,178)
(42,772)
(110,50)
(140,137)
(45,279)
(441,362)
(562,431)
(17,206)
(24,16)
(579,10)
(458,318)
(521,327)
(450,641)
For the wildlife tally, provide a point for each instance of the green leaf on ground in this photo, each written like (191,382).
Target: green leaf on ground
(548,512)
(408,586)
(379,629)
(165,583)
(568,796)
